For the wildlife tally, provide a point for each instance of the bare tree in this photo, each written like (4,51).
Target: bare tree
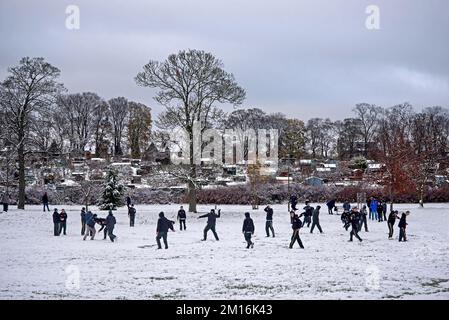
(119,109)
(190,83)
(369,115)
(30,87)
(139,127)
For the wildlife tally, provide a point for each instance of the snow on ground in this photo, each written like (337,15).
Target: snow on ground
(36,265)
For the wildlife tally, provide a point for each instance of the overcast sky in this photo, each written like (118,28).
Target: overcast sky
(305,58)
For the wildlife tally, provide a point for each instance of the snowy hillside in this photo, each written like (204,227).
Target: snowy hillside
(36,265)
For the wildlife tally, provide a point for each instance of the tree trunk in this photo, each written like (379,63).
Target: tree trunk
(21,156)
(192,188)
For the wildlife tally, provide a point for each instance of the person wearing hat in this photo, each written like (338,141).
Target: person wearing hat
(163,225)
(211,221)
(248,230)
(90,223)
(56,222)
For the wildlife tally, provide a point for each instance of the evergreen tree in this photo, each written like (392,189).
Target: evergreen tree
(113,192)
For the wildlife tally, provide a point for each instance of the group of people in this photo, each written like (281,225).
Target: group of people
(351,217)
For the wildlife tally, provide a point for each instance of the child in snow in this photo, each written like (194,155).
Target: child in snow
(62,222)
(211,221)
(163,225)
(402,225)
(296,225)
(248,230)
(182,218)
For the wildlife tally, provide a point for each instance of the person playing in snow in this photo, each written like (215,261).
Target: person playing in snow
(110,224)
(163,225)
(128,201)
(63,222)
(354,222)
(90,224)
(330,206)
(293,202)
(131,215)
(104,228)
(368,205)
(5,202)
(296,226)
(248,230)
(363,219)
(346,206)
(45,201)
(308,212)
(384,209)
(373,207)
(56,223)
(402,226)
(83,220)
(182,218)
(316,219)
(211,221)
(345,219)
(269,221)
(380,211)
(391,221)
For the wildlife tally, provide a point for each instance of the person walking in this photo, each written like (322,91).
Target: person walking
(182,218)
(90,224)
(316,219)
(45,201)
(330,206)
(363,219)
(211,222)
(128,201)
(131,215)
(110,224)
(308,212)
(248,230)
(56,222)
(63,222)
(296,226)
(354,221)
(269,221)
(163,225)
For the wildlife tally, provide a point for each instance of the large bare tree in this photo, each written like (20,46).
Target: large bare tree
(29,88)
(119,109)
(369,115)
(190,85)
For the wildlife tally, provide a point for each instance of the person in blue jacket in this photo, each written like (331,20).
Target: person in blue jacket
(90,223)
(346,206)
(373,207)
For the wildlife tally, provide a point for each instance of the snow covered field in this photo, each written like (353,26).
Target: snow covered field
(36,265)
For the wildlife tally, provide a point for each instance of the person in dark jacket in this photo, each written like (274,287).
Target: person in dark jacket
(90,224)
(56,223)
(128,201)
(391,221)
(110,224)
(163,225)
(316,219)
(363,219)
(45,201)
(402,226)
(182,218)
(83,220)
(293,202)
(102,223)
(269,221)
(63,222)
(308,212)
(380,211)
(345,217)
(211,221)
(354,222)
(296,226)
(5,202)
(131,215)
(384,210)
(330,206)
(346,206)
(248,230)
